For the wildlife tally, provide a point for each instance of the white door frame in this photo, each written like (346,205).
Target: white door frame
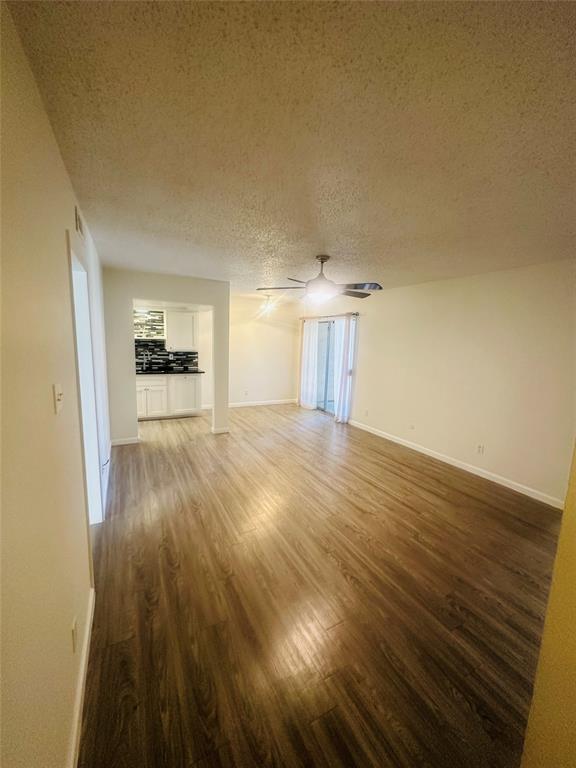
(86,390)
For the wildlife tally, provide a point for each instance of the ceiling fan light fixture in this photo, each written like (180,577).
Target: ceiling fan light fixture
(321,289)
(317,298)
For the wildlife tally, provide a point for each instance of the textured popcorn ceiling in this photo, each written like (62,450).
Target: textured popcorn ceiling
(411,141)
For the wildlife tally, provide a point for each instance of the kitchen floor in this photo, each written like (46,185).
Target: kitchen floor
(302,593)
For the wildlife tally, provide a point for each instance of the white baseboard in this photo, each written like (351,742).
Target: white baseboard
(526,490)
(74,749)
(255,402)
(262,402)
(125,441)
(219,430)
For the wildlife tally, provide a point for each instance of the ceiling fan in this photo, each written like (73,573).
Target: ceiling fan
(322,288)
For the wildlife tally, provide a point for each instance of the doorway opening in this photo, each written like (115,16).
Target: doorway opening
(325,370)
(173,359)
(85,367)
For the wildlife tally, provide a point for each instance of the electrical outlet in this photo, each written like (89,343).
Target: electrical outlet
(412,427)
(366,412)
(245,393)
(74,635)
(480,449)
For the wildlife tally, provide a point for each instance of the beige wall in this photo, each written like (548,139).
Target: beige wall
(551,735)
(483,360)
(121,287)
(205,357)
(45,557)
(263,352)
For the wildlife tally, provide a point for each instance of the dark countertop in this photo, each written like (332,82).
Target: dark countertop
(168,373)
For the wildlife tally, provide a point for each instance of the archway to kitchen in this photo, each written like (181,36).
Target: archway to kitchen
(167,292)
(173,359)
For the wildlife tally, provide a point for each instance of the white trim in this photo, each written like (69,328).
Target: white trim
(526,490)
(290,401)
(125,441)
(107,481)
(262,402)
(74,749)
(219,430)
(181,415)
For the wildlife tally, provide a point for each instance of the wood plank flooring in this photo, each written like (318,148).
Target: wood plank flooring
(302,593)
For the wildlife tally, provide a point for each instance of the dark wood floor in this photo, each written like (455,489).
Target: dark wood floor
(301,593)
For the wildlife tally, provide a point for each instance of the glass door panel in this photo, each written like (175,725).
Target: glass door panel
(326,366)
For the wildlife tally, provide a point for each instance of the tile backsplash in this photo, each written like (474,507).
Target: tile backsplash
(158,359)
(149,324)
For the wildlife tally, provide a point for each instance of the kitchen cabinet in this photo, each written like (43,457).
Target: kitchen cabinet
(181,330)
(141,401)
(158,397)
(157,401)
(184,394)
(152,397)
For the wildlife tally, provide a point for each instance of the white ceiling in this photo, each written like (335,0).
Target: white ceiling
(411,141)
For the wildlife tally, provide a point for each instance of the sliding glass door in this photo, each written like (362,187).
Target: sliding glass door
(325,389)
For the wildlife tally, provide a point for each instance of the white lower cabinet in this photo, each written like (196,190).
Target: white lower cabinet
(141,401)
(172,395)
(152,397)
(157,401)
(184,394)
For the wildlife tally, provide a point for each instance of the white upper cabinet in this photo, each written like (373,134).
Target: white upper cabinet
(181,331)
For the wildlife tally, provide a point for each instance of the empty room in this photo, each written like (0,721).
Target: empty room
(288,384)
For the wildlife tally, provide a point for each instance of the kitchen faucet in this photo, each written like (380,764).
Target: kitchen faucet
(146,357)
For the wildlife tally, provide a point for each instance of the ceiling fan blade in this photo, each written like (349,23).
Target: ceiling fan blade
(283,288)
(362,286)
(356,294)
(297,281)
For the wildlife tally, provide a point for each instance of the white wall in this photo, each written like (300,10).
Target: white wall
(264,352)
(46,580)
(480,360)
(121,287)
(205,357)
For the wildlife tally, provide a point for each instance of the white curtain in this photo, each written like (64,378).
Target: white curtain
(344,354)
(309,365)
(344,342)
